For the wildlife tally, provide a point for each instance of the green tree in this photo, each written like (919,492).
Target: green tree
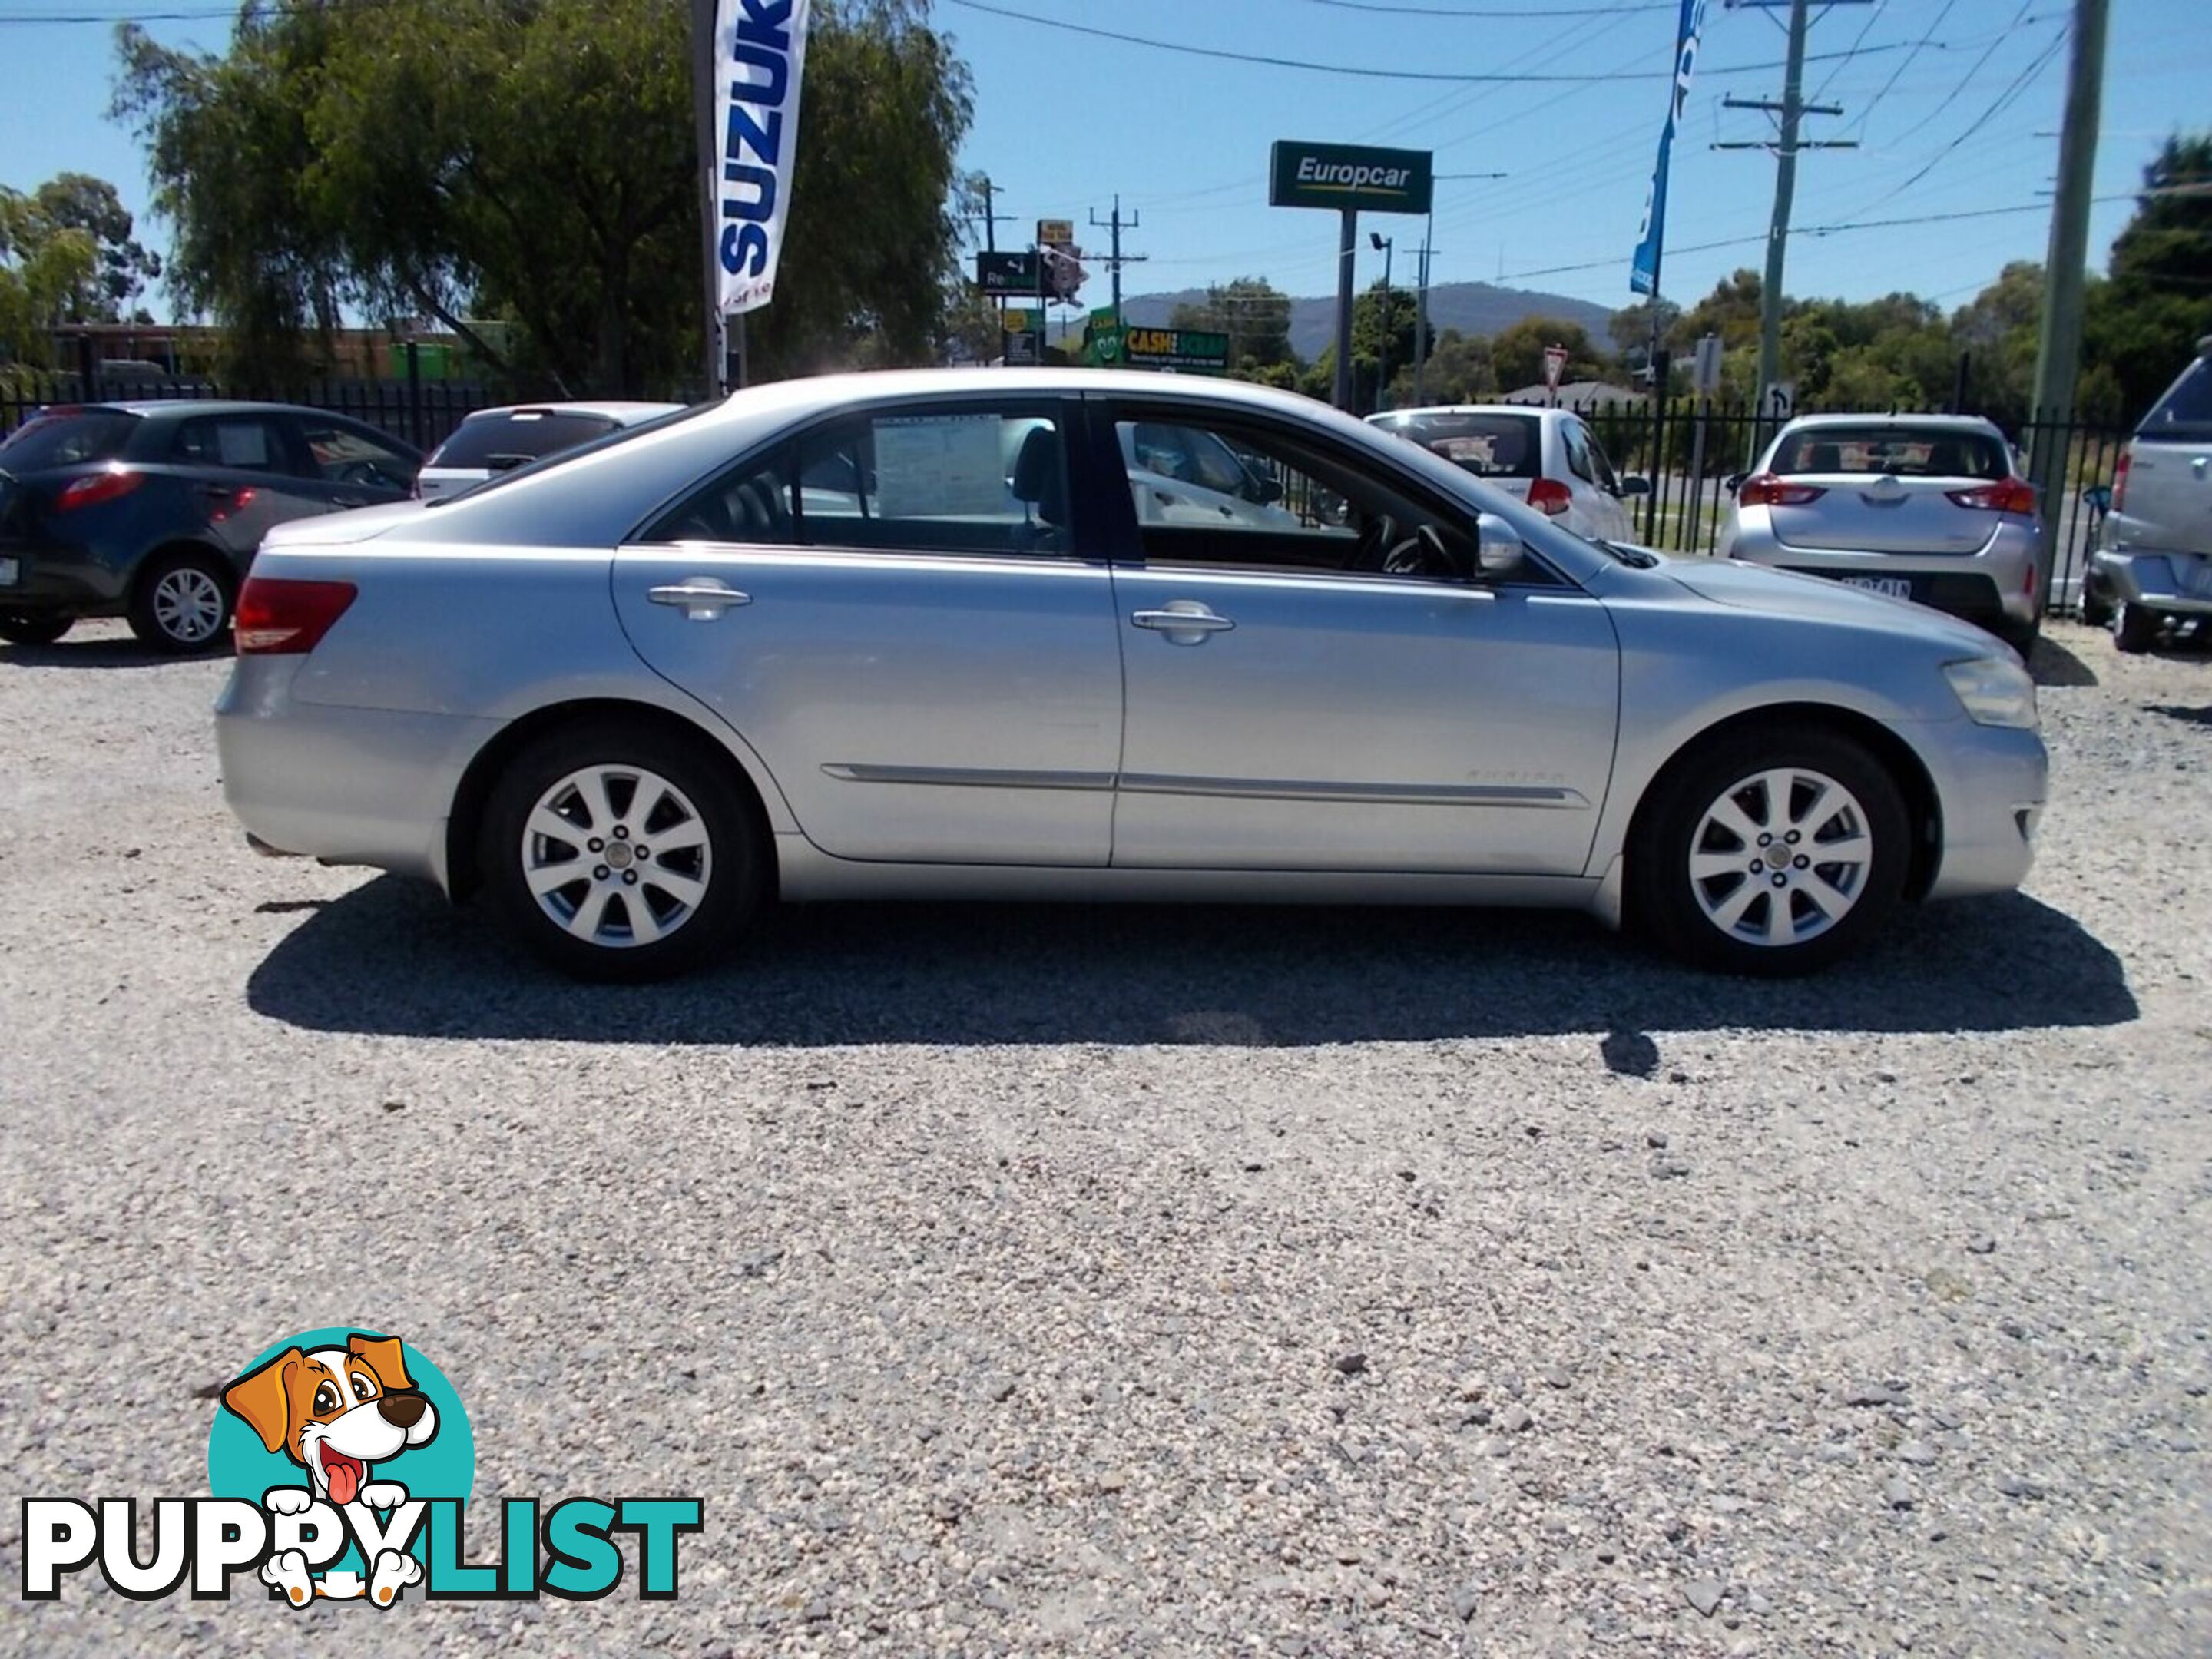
(1457,371)
(1517,352)
(1253,312)
(66,255)
(2141,325)
(536,163)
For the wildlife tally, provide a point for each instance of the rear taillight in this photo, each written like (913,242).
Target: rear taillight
(2120,482)
(105,485)
(2006,495)
(1549,495)
(277,618)
(1767,490)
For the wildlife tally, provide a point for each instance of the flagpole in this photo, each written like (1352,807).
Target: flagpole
(703,97)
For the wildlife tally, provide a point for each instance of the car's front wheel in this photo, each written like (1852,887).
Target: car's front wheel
(620,853)
(33,626)
(182,602)
(1769,852)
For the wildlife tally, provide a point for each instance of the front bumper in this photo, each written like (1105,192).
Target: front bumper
(1991,783)
(2178,583)
(348,786)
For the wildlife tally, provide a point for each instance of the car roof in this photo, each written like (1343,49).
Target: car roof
(184,406)
(625,412)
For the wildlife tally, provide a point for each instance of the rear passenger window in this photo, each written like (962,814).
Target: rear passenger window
(943,481)
(751,506)
(242,442)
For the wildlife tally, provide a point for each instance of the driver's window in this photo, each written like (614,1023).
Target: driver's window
(347,455)
(1254,497)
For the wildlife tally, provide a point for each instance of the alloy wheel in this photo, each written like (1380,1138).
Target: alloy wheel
(617,856)
(1781,857)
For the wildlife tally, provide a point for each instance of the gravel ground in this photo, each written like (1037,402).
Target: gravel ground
(1139,1281)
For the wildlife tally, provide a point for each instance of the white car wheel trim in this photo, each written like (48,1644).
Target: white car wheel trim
(1781,857)
(617,856)
(188,606)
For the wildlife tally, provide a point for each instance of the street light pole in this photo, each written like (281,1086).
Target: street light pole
(1384,244)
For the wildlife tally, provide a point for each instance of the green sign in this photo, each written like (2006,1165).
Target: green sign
(1174,348)
(1356,176)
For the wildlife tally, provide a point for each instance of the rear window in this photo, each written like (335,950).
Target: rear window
(2186,411)
(494,440)
(1488,446)
(1875,451)
(66,438)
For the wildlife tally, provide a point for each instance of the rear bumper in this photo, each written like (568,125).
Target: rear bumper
(1991,783)
(2180,583)
(50,578)
(349,786)
(1993,587)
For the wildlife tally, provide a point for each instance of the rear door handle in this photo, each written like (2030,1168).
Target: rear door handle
(702,598)
(1185,622)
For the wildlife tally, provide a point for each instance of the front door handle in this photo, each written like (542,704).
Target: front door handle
(1185,622)
(702,598)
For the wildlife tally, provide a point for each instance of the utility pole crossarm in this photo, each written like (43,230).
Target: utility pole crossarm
(1113,226)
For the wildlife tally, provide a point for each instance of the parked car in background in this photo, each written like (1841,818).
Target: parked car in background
(490,441)
(1926,508)
(2155,565)
(152,511)
(1547,457)
(907,635)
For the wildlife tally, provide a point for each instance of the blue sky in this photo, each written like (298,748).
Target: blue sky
(1064,120)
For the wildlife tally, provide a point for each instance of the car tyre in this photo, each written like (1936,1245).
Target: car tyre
(2021,637)
(2096,605)
(33,626)
(2135,628)
(1702,886)
(182,602)
(569,861)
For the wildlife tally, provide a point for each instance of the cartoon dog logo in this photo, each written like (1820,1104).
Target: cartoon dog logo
(336,1412)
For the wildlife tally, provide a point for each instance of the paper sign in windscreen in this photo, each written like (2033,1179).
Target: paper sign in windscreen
(940,466)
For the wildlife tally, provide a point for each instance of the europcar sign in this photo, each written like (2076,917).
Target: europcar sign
(1357,176)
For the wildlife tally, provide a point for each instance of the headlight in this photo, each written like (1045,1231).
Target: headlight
(1994,692)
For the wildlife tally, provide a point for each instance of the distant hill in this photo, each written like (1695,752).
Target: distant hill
(1470,307)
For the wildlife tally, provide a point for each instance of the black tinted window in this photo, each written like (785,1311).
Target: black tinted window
(248,443)
(751,506)
(1488,446)
(66,438)
(1906,451)
(345,454)
(2187,410)
(491,441)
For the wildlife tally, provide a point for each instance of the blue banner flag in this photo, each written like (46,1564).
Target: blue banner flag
(1643,270)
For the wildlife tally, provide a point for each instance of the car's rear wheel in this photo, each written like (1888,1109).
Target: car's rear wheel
(33,626)
(2135,628)
(620,853)
(2096,603)
(182,602)
(1772,852)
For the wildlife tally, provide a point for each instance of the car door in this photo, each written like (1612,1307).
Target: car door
(242,474)
(896,610)
(1289,711)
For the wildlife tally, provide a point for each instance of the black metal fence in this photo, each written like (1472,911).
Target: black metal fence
(1690,447)
(423,412)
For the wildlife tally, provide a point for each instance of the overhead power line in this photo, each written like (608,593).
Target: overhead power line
(1479,14)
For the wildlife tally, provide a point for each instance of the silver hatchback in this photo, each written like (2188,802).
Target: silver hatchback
(1925,507)
(912,635)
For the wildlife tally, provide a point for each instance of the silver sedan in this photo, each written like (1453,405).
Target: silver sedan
(912,635)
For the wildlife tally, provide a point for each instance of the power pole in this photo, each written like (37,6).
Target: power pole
(990,215)
(2058,346)
(1421,310)
(1114,260)
(1792,107)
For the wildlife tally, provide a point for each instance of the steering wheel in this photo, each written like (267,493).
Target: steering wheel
(1421,554)
(1377,539)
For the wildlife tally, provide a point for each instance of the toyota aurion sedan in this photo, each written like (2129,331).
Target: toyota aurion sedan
(907,635)
(1919,507)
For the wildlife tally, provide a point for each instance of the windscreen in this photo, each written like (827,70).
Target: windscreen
(2186,411)
(484,440)
(66,437)
(1488,446)
(1903,452)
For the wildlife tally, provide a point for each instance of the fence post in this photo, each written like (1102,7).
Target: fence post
(415,396)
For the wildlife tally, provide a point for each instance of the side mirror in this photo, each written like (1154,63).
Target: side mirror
(1634,484)
(1733,483)
(2098,498)
(1499,551)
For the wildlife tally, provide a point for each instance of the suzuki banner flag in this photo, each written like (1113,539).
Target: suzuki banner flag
(1643,270)
(760,47)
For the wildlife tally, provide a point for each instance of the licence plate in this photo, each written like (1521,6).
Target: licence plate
(11,572)
(1896,587)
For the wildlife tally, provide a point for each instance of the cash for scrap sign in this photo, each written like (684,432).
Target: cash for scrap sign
(759,50)
(340,1466)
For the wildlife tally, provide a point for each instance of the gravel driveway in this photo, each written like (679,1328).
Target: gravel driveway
(1146,1280)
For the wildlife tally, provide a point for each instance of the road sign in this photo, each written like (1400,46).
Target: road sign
(1175,348)
(1021,322)
(1355,176)
(1007,273)
(1781,400)
(1055,232)
(1706,367)
(1555,365)
(1022,347)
